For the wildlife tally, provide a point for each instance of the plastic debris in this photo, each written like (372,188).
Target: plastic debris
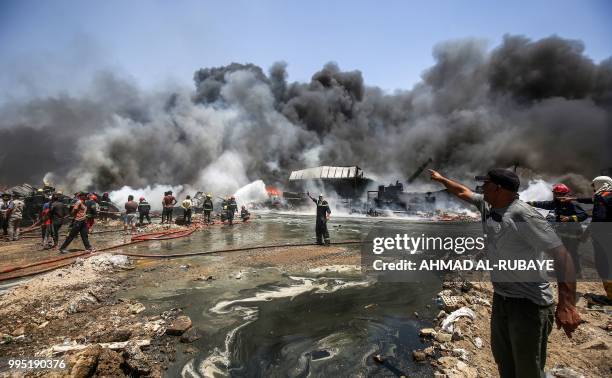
(447,324)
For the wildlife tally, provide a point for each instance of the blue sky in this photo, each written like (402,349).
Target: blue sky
(59,44)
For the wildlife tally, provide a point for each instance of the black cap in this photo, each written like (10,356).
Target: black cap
(502,177)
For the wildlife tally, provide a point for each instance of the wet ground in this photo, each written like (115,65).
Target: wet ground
(266,321)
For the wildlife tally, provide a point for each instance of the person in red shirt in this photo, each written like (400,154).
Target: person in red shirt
(45,226)
(79,225)
(168,203)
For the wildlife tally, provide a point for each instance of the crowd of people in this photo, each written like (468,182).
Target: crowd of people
(84,208)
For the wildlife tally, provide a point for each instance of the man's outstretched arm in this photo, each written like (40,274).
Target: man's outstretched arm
(566,315)
(309,196)
(453,187)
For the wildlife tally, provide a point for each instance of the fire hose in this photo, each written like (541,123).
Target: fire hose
(159,235)
(73,257)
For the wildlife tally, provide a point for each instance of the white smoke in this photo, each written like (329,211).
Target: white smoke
(153,195)
(537,190)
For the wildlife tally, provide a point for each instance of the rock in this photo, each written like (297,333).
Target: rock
(447,362)
(466,286)
(80,303)
(137,308)
(441,314)
(430,351)
(467,371)
(461,353)
(416,314)
(419,355)
(109,364)
(597,344)
(135,360)
(178,326)
(457,334)
(86,362)
(477,342)
(155,327)
(190,350)
(116,335)
(205,278)
(191,335)
(19,331)
(565,372)
(443,337)
(427,332)
(43,325)
(370,306)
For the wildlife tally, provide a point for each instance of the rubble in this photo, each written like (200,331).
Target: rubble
(427,332)
(178,326)
(565,372)
(135,360)
(86,362)
(137,308)
(443,337)
(594,344)
(62,348)
(419,355)
(191,335)
(107,262)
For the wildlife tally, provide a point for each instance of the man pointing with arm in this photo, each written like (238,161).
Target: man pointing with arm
(323,213)
(522,314)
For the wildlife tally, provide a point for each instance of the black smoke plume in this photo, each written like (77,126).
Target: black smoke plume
(541,104)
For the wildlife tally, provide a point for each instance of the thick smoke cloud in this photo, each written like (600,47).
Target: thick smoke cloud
(541,104)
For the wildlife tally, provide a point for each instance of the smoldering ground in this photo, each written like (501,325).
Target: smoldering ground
(542,104)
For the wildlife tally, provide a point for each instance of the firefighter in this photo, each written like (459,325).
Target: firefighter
(105,203)
(92,210)
(244,214)
(208,207)
(323,214)
(599,230)
(565,217)
(143,210)
(232,208)
(4,204)
(58,212)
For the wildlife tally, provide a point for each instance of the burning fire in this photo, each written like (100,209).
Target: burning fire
(273,192)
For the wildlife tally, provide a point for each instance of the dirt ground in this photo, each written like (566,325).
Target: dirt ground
(585,354)
(55,314)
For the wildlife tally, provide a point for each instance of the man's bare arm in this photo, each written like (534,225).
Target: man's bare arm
(459,190)
(566,315)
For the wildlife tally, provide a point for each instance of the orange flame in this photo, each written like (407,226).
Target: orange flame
(272,191)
